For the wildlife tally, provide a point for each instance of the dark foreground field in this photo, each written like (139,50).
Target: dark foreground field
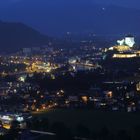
(94,120)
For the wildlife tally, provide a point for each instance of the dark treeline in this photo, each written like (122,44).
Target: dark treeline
(125,64)
(78,81)
(81,131)
(65,133)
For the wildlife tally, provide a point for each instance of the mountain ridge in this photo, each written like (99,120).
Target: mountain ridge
(16,35)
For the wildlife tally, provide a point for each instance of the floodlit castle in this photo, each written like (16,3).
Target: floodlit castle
(124,48)
(125,44)
(128,40)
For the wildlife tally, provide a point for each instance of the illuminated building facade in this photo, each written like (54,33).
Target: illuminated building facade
(128,41)
(124,55)
(124,49)
(7,119)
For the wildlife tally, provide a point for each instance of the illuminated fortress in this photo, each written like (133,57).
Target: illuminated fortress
(124,48)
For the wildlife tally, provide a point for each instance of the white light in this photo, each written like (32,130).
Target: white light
(130,41)
(20,119)
(6,118)
(121,42)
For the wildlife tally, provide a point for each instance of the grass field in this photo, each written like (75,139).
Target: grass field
(94,120)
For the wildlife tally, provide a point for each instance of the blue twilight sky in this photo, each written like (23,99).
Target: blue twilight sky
(59,16)
(127,3)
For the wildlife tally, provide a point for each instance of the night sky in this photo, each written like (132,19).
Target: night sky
(127,3)
(55,17)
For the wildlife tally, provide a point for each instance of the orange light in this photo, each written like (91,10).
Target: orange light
(85,98)
(41,96)
(44,107)
(6,126)
(109,94)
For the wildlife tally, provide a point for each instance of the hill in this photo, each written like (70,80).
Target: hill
(14,36)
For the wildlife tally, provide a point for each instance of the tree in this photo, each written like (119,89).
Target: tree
(14,131)
(82,131)
(62,132)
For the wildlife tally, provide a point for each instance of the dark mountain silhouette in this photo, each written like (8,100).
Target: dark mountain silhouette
(14,36)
